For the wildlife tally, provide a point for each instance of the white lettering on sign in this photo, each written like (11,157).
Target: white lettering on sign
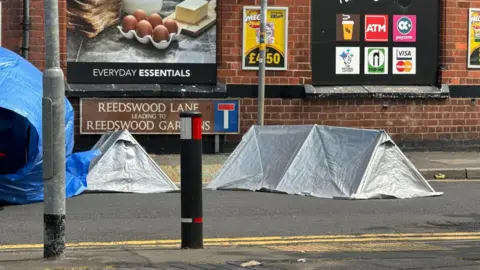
(117,125)
(163,73)
(148,116)
(119,107)
(110,72)
(133,125)
(104,72)
(376,28)
(169,125)
(184,107)
(144,116)
(255,17)
(175,125)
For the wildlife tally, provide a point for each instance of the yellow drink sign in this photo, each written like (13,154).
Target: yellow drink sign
(276,38)
(474,38)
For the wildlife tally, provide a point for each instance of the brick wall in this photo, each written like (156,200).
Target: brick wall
(404,120)
(454,46)
(454,119)
(12,18)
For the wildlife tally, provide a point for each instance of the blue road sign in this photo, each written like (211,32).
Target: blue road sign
(226,116)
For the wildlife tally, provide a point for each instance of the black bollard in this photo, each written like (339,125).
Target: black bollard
(191,179)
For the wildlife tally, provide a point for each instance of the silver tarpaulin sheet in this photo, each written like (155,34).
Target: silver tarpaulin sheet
(322,161)
(124,166)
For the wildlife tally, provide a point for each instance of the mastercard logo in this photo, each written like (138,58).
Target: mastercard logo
(404,66)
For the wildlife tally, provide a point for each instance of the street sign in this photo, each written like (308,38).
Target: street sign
(226,116)
(156,116)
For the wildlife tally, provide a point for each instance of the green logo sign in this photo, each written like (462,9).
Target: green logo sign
(377,61)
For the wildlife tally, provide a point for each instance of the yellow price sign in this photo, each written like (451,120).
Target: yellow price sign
(273,58)
(474,38)
(275,39)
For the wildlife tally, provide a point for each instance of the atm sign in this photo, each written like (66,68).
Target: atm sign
(376,28)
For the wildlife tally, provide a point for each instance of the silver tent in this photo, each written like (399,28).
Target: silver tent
(124,166)
(322,161)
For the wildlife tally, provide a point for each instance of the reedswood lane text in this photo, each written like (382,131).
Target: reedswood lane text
(127,107)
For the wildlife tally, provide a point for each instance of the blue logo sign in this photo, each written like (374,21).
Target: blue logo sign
(226,116)
(404,25)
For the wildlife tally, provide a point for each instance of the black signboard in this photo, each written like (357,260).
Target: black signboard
(141,42)
(142,73)
(375,42)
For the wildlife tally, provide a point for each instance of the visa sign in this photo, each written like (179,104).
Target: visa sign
(404,54)
(376,28)
(404,60)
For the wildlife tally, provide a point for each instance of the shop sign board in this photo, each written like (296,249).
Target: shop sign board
(376,28)
(141,42)
(404,28)
(348,60)
(276,56)
(474,38)
(376,61)
(365,42)
(348,27)
(404,60)
(156,116)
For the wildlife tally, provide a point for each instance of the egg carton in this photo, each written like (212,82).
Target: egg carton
(148,38)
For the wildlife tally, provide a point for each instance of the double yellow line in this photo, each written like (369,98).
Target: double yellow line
(269,240)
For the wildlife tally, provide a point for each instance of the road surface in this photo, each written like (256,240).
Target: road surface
(126,217)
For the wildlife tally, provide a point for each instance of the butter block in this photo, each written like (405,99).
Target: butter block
(191,11)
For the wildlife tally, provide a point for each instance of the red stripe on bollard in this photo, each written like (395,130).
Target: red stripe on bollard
(196,128)
(198,220)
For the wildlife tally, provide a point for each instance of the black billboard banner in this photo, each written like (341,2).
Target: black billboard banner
(141,42)
(375,42)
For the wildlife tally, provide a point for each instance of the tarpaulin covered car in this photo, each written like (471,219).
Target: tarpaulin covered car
(21,154)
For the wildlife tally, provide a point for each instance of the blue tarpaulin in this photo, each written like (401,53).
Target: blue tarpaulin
(21,135)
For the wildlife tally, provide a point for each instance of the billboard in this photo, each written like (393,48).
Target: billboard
(156,116)
(365,42)
(474,38)
(141,42)
(276,55)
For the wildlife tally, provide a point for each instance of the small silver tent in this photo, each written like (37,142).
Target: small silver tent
(124,166)
(322,161)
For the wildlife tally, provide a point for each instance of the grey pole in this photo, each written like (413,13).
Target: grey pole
(26,28)
(261,64)
(53,125)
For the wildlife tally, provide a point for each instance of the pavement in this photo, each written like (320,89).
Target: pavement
(454,165)
(449,165)
(365,256)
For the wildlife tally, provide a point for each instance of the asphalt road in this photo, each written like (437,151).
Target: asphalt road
(119,217)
